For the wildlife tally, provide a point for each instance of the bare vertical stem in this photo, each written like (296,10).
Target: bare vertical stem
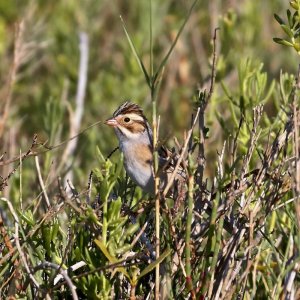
(21,182)
(22,255)
(218,233)
(104,221)
(155,163)
(296,147)
(41,182)
(132,292)
(204,100)
(189,282)
(211,243)
(157,204)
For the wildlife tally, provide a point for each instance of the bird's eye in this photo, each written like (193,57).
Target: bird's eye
(126,120)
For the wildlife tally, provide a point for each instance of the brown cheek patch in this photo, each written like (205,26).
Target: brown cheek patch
(135,127)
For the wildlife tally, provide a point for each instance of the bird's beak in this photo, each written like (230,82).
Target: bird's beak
(111,122)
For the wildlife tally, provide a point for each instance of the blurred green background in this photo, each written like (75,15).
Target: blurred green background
(44,89)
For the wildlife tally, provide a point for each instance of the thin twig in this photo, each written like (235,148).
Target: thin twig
(203,102)
(47,148)
(4,181)
(214,69)
(22,255)
(38,169)
(295,109)
(141,231)
(111,266)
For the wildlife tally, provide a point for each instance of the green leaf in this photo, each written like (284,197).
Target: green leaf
(98,174)
(102,247)
(154,264)
(123,249)
(114,210)
(269,92)
(116,224)
(278,19)
(283,42)
(111,258)
(287,30)
(297,46)
(27,216)
(139,61)
(100,155)
(55,228)
(88,258)
(118,169)
(294,5)
(290,18)
(132,228)
(46,236)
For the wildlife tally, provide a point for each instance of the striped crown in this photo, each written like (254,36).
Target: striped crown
(128,108)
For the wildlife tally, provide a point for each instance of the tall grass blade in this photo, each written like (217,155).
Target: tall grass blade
(139,61)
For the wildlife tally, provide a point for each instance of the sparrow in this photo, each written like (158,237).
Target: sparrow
(136,143)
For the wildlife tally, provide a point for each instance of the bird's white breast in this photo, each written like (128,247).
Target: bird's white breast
(139,171)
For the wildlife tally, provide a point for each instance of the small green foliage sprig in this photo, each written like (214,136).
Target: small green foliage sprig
(292,28)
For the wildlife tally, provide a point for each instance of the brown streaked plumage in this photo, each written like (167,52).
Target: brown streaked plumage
(129,117)
(135,141)
(128,108)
